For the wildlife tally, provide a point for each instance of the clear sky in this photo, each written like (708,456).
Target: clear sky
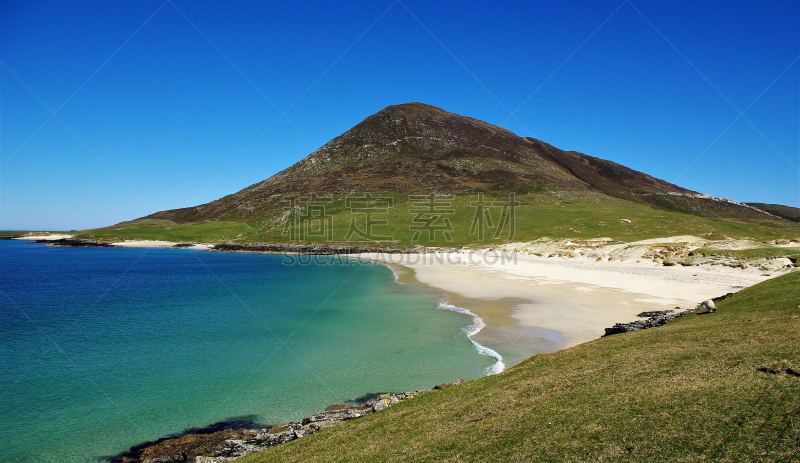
(112,110)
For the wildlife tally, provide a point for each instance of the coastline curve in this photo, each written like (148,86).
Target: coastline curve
(471,330)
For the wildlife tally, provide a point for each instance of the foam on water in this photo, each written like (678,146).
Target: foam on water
(472,330)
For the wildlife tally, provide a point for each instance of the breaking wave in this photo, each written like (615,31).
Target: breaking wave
(471,330)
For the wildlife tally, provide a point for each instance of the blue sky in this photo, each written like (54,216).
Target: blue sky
(160,105)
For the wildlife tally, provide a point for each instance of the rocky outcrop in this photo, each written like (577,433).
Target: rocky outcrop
(76,243)
(312,249)
(266,248)
(446,385)
(660,317)
(788,371)
(654,319)
(229,444)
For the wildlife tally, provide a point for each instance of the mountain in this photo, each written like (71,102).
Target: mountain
(416,148)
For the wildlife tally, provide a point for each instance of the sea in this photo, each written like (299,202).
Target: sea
(102,349)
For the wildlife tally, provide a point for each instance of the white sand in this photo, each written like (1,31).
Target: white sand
(157,244)
(574,296)
(43,237)
(124,244)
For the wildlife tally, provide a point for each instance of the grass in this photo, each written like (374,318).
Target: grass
(761,251)
(789,213)
(14,233)
(555,215)
(688,391)
(19,233)
(207,232)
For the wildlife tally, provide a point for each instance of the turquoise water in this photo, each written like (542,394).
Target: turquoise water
(102,349)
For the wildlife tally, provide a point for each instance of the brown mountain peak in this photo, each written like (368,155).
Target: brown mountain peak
(415,148)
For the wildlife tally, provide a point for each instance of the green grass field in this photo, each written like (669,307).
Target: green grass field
(14,233)
(207,232)
(789,213)
(687,391)
(761,251)
(537,215)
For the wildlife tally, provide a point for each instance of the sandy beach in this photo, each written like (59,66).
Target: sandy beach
(542,304)
(122,244)
(48,237)
(158,244)
(548,295)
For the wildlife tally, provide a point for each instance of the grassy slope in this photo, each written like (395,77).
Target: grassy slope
(207,232)
(761,251)
(568,216)
(787,212)
(687,391)
(14,233)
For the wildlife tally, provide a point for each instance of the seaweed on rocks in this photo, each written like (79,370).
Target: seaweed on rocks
(188,444)
(228,440)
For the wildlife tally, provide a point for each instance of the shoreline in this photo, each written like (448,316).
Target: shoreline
(226,441)
(405,276)
(518,303)
(535,297)
(541,304)
(471,330)
(500,333)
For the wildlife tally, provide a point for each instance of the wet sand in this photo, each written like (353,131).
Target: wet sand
(535,305)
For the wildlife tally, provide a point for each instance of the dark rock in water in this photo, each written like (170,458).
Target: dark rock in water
(182,245)
(366,398)
(226,441)
(76,243)
(185,446)
(338,407)
(190,446)
(319,250)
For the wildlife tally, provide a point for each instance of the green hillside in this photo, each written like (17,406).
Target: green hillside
(716,387)
(566,215)
(467,167)
(786,212)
